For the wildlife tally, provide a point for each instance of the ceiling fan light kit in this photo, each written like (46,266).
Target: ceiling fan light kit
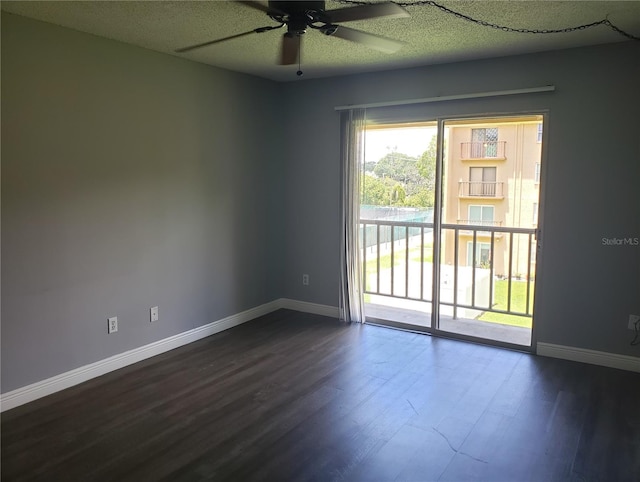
(298,16)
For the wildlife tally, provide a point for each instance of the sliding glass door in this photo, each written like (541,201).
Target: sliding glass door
(397,208)
(449,224)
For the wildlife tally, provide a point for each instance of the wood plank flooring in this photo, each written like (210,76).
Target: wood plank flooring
(294,397)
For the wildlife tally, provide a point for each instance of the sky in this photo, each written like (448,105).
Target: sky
(408,140)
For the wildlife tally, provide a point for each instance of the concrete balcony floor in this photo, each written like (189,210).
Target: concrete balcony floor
(384,309)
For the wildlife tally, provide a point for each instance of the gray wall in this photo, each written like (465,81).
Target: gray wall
(132,179)
(586,290)
(129,179)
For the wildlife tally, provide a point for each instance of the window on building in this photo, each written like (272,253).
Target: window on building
(537,174)
(483,254)
(481,215)
(482,181)
(540,132)
(535,215)
(484,142)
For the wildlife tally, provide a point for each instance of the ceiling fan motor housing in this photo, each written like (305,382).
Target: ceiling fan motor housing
(296,7)
(298,16)
(297,12)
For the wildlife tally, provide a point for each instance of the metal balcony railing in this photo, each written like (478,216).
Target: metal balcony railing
(482,150)
(472,222)
(396,252)
(480,189)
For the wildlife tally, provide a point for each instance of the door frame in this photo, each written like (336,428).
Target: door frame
(434,327)
(437,238)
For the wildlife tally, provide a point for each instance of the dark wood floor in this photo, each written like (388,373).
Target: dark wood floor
(294,396)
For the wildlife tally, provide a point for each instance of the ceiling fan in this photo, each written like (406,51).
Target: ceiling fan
(297,16)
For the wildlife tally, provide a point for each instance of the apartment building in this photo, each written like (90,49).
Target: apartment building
(492,179)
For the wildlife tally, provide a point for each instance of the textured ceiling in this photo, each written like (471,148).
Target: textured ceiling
(431,36)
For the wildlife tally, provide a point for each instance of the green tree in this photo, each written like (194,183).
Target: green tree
(397,195)
(369,166)
(399,179)
(374,191)
(426,164)
(421,199)
(399,167)
(382,192)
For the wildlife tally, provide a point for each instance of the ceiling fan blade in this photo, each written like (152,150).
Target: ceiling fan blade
(290,49)
(262,7)
(238,35)
(211,42)
(376,42)
(364,12)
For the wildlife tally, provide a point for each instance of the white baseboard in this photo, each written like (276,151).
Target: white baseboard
(611,360)
(68,379)
(306,307)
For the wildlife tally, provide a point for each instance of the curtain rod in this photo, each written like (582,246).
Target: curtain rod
(426,100)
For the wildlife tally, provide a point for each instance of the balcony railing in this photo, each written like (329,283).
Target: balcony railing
(482,150)
(481,189)
(478,232)
(397,262)
(472,222)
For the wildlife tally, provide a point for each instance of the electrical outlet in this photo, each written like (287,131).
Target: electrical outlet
(112,324)
(153,314)
(305,279)
(634,322)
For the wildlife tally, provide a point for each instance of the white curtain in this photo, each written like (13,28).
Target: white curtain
(351,287)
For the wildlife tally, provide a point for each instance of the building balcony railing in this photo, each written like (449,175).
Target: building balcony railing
(481,189)
(398,262)
(471,222)
(483,150)
(470,231)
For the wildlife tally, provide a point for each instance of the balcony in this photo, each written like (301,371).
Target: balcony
(483,285)
(472,222)
(481,189)
(482,150)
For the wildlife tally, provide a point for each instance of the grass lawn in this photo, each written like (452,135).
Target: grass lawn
(518,303)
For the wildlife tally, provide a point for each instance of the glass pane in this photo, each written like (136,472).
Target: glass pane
(475,213)
(487,214)
(489,174)
(475,174)
(484,251)
(493,298)
(397,209)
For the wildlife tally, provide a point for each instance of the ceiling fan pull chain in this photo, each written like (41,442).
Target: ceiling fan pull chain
(299,72)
